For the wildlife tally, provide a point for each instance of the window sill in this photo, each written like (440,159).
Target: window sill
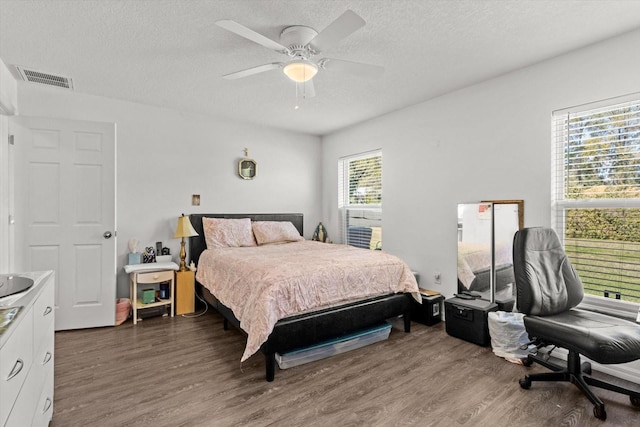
(621,309)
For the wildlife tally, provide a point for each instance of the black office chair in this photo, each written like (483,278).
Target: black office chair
(548,289)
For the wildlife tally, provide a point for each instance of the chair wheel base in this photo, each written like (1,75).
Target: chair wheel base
(527,361)
(599,412)
(635,400)
(525,383)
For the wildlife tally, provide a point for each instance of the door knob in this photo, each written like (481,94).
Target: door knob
(107,235)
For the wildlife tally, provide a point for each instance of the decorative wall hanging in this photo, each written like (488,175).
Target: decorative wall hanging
(247,167)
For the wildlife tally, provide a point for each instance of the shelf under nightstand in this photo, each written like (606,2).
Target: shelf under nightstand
(150,274)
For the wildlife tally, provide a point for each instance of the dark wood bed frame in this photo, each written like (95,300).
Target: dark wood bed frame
(305,329)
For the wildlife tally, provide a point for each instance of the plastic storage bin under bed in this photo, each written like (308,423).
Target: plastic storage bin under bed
(334,346)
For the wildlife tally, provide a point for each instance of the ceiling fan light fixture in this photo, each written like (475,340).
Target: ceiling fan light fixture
(300,71)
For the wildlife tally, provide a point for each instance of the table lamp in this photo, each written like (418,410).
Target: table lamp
(184,229)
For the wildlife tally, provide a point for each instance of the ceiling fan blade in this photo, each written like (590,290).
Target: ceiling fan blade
(364,70)
(344,25)
(253,70)
(306,89)
(249,34)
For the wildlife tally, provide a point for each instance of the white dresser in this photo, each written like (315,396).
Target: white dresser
(26,355)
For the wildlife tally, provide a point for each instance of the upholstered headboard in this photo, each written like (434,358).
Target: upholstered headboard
(197,244)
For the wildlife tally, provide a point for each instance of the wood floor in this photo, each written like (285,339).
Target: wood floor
(186,372)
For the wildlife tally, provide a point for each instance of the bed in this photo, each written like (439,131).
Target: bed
(295,330)
(474,270)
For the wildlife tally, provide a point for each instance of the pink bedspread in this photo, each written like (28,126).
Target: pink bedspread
(264,284)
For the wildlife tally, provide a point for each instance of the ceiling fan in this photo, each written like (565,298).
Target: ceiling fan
(301,44)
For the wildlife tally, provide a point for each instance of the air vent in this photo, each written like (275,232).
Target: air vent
(44,78)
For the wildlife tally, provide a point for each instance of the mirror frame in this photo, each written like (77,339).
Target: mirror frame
(518,202)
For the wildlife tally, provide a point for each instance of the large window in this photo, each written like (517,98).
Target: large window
(360,199)
(596,194)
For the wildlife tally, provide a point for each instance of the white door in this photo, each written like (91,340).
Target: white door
(65,214)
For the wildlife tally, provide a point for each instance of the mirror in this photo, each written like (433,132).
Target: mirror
(485,239)
(512,208)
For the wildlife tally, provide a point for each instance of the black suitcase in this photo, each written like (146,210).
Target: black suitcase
(468,319)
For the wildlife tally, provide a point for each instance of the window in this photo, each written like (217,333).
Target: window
(360,199)
(596,194)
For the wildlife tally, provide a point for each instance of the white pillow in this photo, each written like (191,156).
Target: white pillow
(226,233)
(275,232)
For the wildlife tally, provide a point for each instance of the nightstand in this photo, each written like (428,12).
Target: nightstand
(429,312)
(185,292)
(151,274)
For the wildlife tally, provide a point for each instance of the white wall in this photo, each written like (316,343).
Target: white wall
(164,156)
(8,107)
(8,91)
(488,141)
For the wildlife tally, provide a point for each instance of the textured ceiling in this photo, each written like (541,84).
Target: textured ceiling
(170,53)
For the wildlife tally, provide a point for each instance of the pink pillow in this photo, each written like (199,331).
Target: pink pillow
(225,233)
(275,232)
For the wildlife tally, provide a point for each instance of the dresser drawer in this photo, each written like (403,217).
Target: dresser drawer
(43,361)
(44,407)
(15,362)
(36,388)
(43,313)
(154,277)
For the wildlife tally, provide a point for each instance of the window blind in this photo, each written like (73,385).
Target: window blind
(596,194)
(360,199)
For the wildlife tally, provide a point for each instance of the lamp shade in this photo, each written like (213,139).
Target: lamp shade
(300,71)
(184,228)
